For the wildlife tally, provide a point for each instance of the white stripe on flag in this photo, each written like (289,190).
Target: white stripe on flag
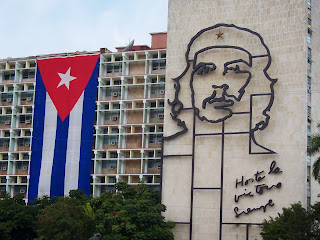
(73,149)
(49,138)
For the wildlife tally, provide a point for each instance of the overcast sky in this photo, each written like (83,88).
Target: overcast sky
(34,27)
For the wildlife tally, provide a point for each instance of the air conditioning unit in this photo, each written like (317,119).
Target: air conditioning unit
(24,168)
(6,145)
(162,92)
(29,99)
(158,166)
(9,99)
(27,144)
(27,121)
(22,191)
(4,168)
(7,122)
(112,167)
(160,115)
(115,94)
(113,143)
(114,118)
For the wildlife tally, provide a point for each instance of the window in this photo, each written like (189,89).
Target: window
(107,188)
(24,142)
(6,97)
(117,82)
(112,116)
(5,120)
(152,129)
(309,111)
(29,110)
(7,134)
(159,65)
(31,88)
(4,142)
(157,180)
(154,163)
(28,74)
(114,68)
(309,21)
(5,157)
(162,80)
(27,96)
(113,155)
(26,119)
(112,164)
(10,89)
(22,165)
(27,133)
(309,4)
(116,106)
(155,138)
(309,38)
(150,154)
(110,140)
(112,180)
(118,59)
(163,55)
(158,89)
(309,82)
(309,52)
(161,104)
(113,92)
(8,76)
(160,129)
(8,111)
(155,113)
(308,159)
(153,104)
(25,156)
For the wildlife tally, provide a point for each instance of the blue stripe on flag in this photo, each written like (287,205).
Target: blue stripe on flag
(87,131)
(37,139)
(59,159)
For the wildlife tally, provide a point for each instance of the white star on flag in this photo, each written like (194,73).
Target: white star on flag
(66,78)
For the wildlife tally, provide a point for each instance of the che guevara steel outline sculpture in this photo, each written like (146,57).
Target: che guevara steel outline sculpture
(225,101)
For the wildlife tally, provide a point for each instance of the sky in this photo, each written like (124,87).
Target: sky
(35,27)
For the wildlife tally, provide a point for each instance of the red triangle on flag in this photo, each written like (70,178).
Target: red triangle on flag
(65,79)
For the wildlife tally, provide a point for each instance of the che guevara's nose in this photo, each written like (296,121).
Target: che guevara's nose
(220,91)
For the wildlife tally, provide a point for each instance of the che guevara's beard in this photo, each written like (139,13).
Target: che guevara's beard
(215,109)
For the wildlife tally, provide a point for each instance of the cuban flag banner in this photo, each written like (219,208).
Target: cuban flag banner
(63,125)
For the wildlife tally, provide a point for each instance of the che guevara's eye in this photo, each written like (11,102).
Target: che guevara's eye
(204,68)
(235,69)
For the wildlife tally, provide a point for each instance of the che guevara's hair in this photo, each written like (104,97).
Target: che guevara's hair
(177,105)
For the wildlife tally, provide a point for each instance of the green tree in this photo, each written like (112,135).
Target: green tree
(294,223)
(131,214)
(65,219)
(313,149)
(17,220)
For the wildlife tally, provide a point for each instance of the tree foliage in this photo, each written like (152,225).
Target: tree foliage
(65,219)
(313,149)
(17,220)
(294,223)
(130,214)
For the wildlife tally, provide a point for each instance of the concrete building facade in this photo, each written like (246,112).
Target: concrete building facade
(240,114)
(129,117)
